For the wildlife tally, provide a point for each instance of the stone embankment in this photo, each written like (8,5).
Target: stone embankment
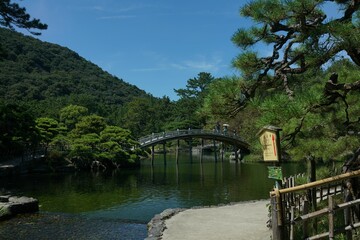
(12,205)
(157,226)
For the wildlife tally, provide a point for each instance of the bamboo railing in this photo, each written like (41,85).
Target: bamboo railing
(290,207)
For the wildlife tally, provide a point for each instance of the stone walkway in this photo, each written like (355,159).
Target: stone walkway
(242,221)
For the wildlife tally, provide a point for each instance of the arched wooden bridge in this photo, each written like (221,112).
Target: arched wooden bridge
(161,138)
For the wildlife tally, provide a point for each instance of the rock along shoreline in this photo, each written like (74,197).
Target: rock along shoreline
(13,205)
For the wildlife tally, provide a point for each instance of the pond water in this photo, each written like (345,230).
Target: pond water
(119,204)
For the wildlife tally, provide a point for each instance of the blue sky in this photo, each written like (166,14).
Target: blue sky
(153,44)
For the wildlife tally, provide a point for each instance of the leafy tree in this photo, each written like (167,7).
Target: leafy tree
(111,147)
(83,150)
(118,135)
(186,114)
(12,15)
(303,39)
(116,145)
(17,130)
(222,95)
(91,124)
(72,114)
(191,99)
(147,115)
(138,116)
(196,87)
(48,129)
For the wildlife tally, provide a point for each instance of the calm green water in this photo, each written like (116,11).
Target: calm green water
(118,205)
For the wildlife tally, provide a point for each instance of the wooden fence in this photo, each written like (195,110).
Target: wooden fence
(295,208)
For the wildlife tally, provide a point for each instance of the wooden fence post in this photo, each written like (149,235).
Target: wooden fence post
(292,218)
(276,217)
(306,222)
(347,211)
(331,217)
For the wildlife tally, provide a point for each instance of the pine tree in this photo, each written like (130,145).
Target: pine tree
(294,86)
(302,37)
(12,15)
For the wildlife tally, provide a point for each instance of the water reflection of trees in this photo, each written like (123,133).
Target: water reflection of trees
(176,185)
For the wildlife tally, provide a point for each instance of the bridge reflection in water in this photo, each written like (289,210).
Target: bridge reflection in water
(239,145)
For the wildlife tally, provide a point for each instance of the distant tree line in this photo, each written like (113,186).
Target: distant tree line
(77,137)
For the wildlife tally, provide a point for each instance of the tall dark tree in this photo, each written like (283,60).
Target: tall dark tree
(301,36)
(191,100)
(12,15)
(139,117)
(17,131)
(304,41)
(317,109)
(196,87)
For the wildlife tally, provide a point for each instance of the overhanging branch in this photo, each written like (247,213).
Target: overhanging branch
(331,95)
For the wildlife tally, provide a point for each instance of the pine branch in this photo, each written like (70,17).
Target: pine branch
(292,136)
(352,8)
(331,95)
(352,162)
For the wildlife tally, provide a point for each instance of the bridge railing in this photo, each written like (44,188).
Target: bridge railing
(180,133)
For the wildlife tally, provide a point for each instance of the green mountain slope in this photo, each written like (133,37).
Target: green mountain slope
(48,77)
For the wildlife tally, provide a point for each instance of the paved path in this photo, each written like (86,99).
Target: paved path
(242,221)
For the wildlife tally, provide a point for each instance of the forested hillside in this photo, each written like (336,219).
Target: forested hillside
(49,77)
(54,100)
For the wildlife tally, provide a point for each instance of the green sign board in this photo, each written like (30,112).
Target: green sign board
(275,173)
